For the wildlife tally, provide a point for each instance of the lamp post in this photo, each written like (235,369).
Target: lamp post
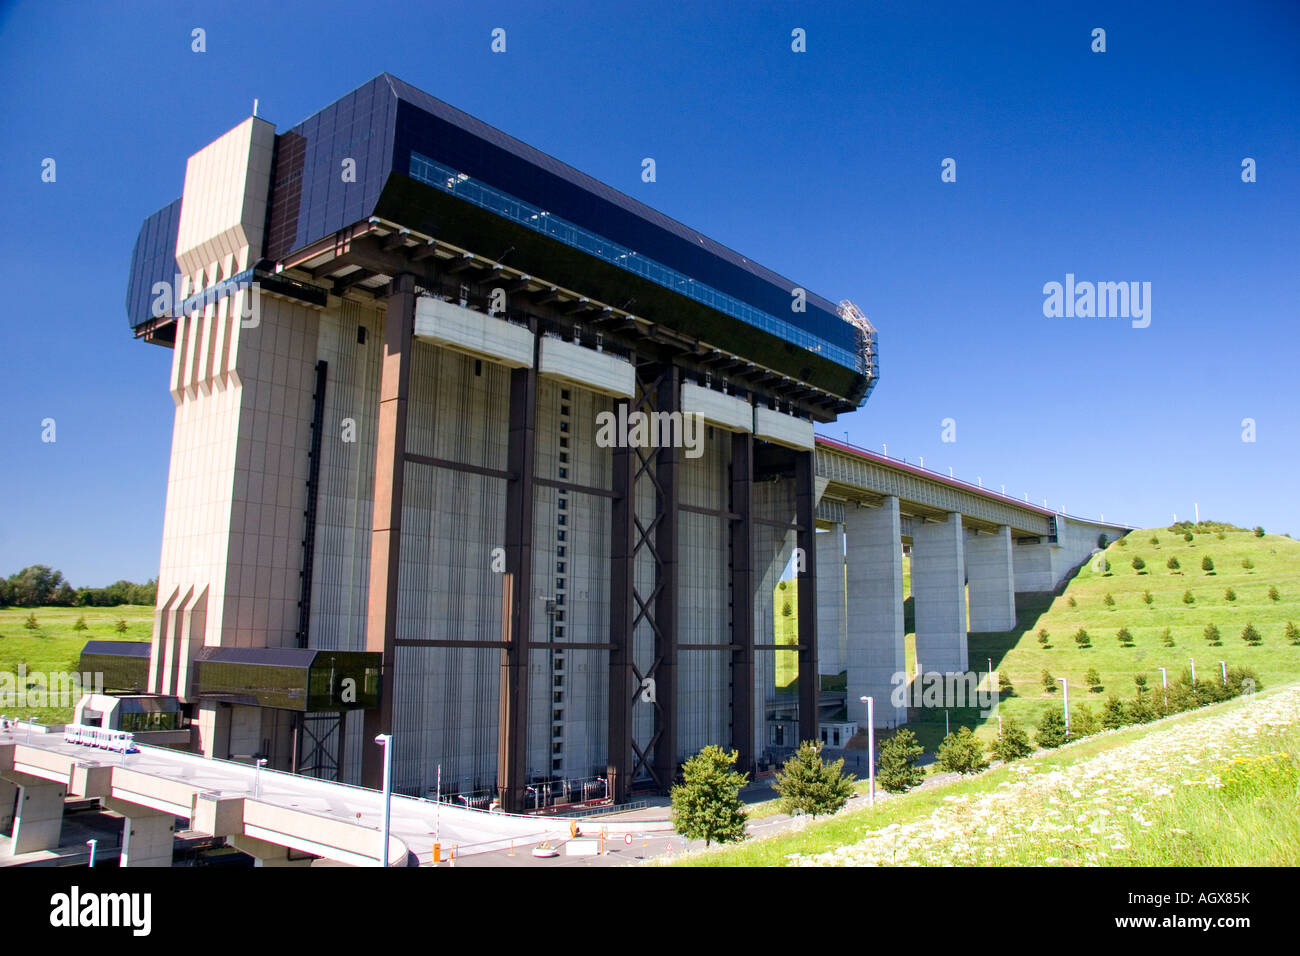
(1164,686)
(257,777)
(1065,684)
(1193,661)
(1223,666)
(386,741)
(871,744)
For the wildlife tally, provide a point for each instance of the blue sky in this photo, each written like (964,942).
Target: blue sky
(824,166)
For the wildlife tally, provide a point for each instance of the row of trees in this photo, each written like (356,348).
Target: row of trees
(43,586)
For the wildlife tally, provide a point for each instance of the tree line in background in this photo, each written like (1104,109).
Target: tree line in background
(42,586)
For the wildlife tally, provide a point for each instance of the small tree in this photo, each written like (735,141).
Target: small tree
(1093,680)
(1229,594)
(1292,633)
(1273,594)
(897,770)
(1013,743)
(1005,687)
(30,623)
(1187,597)
(1138,564)
(1212,635)
(1248,564)
(1140,682)
(1122,542)
(120,626)
(787,608)
(1259,531)
(1207,564)
(81,624)
(706,805)
(1251,636)
(1071,601)
(1101,540)
(1109,600)
(1051,728)
(1083,722)
(1124,637)
(1155,540)
(810,786)
(1113,715)
(962,752)
(1049,682)
(1043,636)
(1188,537)
(1103,566)
(1173,565)
(1167,638)
(1082,639)
(1148,598)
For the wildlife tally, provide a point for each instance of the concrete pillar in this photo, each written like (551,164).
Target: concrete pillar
(991,579)
(830,601)
(939,595)
(148,836)
(268,854)
(38,818)
(875,651)
(8,799)
(1033,564)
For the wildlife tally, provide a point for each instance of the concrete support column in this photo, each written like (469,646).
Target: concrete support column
(830,601)
(876,650)
(1033,566)
(268,854)
(805,509)
(991,579)
(939,595)
(148,836)
(38,816)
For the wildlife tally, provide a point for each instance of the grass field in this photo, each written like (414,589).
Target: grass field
(56,644)
(1215,786)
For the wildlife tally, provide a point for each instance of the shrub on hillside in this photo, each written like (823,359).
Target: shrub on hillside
(1012,743)
(30,623)
(1101,540)
(1172,564)
(1124,637)
(897,770)
(1093,680)
(1051,728)
(1083,722)
(1187,597)
(1248,564)
(1141,711)
(961,752)
(1212,635)
(1273,594)
(1048,681)
(1148,598)
(1167,638)
(1292,633)
(1138,564)
(1071,601)
(706,805)
(1259,531)
(1140,682)
(1251,636)
(1207,564)
(1113,714)
(1229,594)
(1082,639)
(1187,537)
(808,785)
(1043,636)
(1155,540)
(1109,600)
(1005,687)
(81,624)
(1122,542)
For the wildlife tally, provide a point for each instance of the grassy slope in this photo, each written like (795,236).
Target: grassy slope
(56,646)
(1274,818)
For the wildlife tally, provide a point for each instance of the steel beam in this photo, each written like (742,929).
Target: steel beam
(742,601)
(805,503)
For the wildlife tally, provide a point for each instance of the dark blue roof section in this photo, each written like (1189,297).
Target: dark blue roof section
(154,260)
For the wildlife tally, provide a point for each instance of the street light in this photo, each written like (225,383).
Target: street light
(1193,660)
(1223,666)
(386,741)
(1164,685)
(871,744)
(257,777)
(1066,685)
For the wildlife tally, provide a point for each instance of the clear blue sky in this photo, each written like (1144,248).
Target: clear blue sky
(825,166)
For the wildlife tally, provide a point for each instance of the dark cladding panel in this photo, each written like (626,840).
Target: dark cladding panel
(153,260)
(124,665)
